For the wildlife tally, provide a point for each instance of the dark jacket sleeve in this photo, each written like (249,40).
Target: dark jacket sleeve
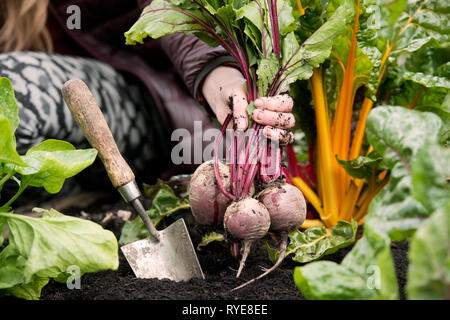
(192,58)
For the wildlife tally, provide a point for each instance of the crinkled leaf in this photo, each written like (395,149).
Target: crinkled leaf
(164,204)
(210,237)
(398,134)
(366,273)
(427,80)
(316,242)
(421,82)
(430,175)
(429,256)
(421,23)
(33,255)
(53,161)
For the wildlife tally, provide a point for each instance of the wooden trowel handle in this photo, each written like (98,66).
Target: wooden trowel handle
(89,117)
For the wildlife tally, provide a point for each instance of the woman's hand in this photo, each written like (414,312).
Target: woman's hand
(224,87)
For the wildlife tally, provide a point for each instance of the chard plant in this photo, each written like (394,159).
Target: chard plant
(389,165)
(366,65)
(414,206)
(42,248)
(388,55)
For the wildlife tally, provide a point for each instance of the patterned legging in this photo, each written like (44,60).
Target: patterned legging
(128,107)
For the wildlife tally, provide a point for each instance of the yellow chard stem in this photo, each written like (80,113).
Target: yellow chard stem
(309,223)
(350,200)
(301,10)
(341,128)
(360,128)
(325,161)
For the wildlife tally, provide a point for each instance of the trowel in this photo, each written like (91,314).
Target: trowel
(167,253)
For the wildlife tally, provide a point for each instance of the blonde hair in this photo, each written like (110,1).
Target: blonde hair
(23,26)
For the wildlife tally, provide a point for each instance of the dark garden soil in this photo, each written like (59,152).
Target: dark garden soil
(216,260)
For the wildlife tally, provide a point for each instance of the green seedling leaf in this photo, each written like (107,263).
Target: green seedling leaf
(210,237)
(164,204)
(53,161)
(429,266)
(316,242)
(32,257)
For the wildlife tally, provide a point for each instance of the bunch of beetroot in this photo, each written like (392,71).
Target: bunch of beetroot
(247,193)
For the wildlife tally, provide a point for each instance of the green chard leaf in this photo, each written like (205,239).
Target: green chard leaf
(398,134)
(316,242)
(429,256)
(366,273)
(430,173)
(164,204)
(406,139)
(421,82)
(31,257)
(421,23)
